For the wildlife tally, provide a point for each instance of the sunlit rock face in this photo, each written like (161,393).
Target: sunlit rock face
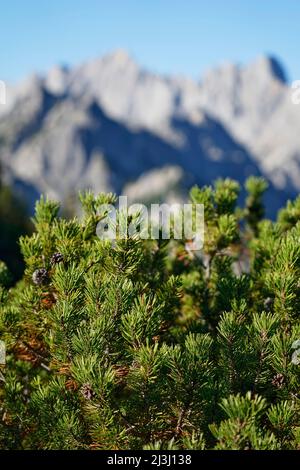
(110,125)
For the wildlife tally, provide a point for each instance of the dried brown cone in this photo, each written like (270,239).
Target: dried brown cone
(40,276)
(278,381)
(57,258)
(87,392)
(121,371)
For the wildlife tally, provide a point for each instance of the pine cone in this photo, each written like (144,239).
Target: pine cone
(278,380)
(87,392)
(268,303)
(71,385)
(40,276)
(57,258)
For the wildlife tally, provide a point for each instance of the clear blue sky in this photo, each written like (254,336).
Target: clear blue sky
(168,36)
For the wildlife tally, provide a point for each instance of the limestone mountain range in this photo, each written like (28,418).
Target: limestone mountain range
(111,125)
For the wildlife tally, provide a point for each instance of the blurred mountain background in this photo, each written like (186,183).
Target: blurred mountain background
(149,119)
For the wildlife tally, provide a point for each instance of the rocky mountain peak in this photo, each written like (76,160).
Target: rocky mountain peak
(109,122)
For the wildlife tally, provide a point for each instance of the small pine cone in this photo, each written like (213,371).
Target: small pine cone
(121,371)
(87,392)
(278,380)
(40,276)
(57,258)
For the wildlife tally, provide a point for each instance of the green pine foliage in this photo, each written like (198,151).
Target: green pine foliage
(146,344)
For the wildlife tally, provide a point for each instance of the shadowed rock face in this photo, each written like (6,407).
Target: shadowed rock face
(109,125)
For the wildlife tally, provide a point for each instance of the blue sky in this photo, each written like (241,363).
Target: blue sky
(168,36)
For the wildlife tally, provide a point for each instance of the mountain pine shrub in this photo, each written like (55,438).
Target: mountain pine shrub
(146,344)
